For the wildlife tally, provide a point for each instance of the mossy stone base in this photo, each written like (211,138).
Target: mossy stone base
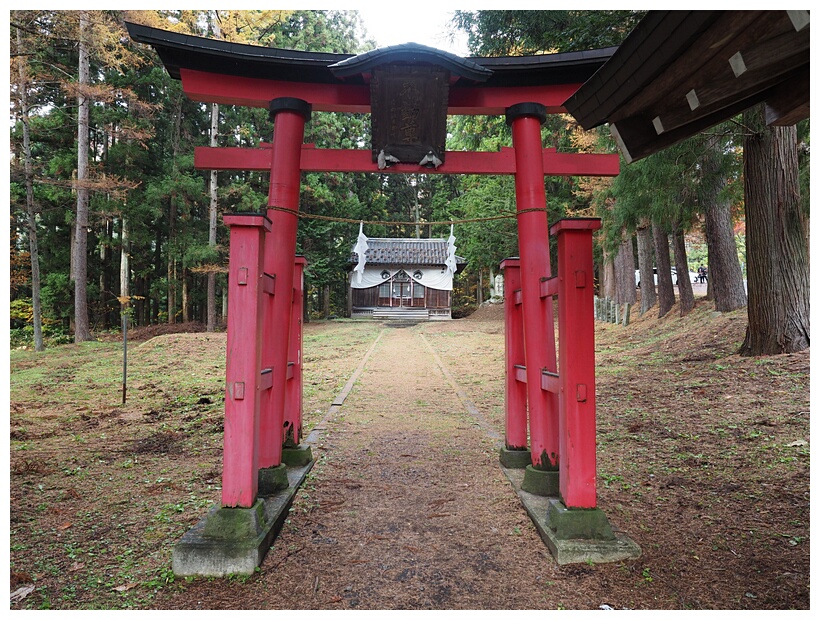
(272,480)
(235,523)
(515,459)
(234,541)
(540,482)
(570,550)
(297,456)
(586,523)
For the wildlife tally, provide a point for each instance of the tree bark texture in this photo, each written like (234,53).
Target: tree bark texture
(82,329)
(776,241)
(608,276)
(186,302)
(210,322)
(172,219)
(687,297)
(34,252)
(725,282)
(625,273)
(666,293)
(645,264)
(125,268)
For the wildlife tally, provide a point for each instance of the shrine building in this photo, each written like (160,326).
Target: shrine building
(404,279)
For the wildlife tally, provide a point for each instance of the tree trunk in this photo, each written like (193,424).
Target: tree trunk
(157,271)
(480,290)
(186,312)
(666,294)
(82,329)
(210,323)
(608,276)
(172,219)
(172,297)
(625,273)
(776,240)
(125,267)
(34,252)
(725,283)
(645,265)
(326,301)
(687,297)
(104,254)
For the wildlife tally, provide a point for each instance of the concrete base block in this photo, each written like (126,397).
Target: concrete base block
(571,550)
(586,523)
(297,456)
(234,541)
(271,480)
(540,482)
(514,459)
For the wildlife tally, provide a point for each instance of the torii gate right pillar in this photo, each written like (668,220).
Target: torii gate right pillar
(534,251)
(558,488)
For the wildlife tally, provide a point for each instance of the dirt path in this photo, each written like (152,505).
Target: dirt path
(406,507)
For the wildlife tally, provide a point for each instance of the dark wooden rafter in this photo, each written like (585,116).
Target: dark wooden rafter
(680,72)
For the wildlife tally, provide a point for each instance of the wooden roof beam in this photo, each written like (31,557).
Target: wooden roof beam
(681,112)
(707,69)
(791,102)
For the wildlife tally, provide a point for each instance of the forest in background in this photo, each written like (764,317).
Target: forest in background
(103,185)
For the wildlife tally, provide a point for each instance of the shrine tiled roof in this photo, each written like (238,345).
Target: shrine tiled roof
(384,251)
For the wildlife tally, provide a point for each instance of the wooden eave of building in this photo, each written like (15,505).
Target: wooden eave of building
(681,72)
(179,51)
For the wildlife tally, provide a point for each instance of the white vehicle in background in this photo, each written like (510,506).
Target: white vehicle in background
(693,277)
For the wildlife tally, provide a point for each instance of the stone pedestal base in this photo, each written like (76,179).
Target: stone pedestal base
(234,541)
(514,459)
(540,482)
(557,524)
(586,523)
(297,456)
(272,480)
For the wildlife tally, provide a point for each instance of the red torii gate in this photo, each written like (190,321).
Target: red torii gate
(262,319)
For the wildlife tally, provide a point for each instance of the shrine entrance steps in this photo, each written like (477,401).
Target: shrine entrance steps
(401,314)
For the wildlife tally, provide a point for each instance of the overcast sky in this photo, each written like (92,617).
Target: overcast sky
(411,25)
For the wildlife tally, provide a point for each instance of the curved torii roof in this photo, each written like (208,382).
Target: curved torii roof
(179,51)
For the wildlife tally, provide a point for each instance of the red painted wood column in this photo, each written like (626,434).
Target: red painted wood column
(533,247)
(289,116)
(243,362)
(576,326)
(515,405)
(293,394)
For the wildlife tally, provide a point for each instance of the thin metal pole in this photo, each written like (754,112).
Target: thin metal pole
(124,352)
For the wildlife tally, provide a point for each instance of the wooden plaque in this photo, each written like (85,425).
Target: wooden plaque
(409,112)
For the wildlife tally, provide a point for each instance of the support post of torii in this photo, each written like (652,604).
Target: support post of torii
(289,117)
(294,453)
(515,453)
(539,331)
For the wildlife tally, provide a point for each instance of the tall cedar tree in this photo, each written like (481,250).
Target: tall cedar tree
(776,240)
